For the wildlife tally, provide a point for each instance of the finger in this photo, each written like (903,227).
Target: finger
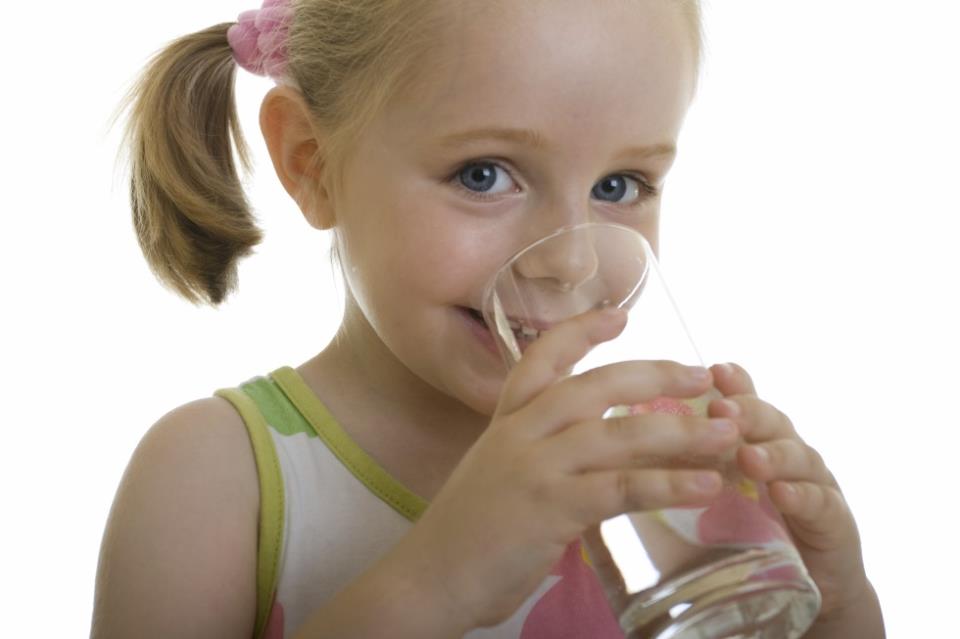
(589,395)
(602,495)
(732,379)
(817,514)
(553,355)
(758,421)
(783,459)
(638,441)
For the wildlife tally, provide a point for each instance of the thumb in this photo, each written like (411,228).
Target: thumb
(552,357)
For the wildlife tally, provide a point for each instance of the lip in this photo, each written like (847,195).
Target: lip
(479,330)
(530,322)
(538,324)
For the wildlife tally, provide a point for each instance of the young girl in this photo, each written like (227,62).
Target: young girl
(400,483)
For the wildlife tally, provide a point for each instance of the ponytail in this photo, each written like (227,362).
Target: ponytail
(346,57)
(192,218)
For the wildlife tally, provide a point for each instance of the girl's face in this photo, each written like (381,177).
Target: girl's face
(525,117)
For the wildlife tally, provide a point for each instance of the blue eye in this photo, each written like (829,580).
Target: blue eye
(618,189)
(486,178)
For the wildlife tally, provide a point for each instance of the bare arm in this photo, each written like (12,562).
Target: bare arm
(405,595)
(178,557)
(382,603)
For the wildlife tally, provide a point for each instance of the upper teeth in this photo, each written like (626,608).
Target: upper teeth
(526,331)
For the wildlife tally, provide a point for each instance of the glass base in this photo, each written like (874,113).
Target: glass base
(751,594)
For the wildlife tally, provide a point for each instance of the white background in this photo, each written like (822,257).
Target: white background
(809,233)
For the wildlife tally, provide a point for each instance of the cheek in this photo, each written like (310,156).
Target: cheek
(405,255)
(407,237)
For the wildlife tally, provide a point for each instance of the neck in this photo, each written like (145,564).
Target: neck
(415,431)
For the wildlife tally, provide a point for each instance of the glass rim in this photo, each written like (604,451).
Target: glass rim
(492,283)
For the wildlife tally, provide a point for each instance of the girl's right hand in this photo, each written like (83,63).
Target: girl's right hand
(548,467)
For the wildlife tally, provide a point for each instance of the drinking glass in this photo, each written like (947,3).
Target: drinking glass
(724,569)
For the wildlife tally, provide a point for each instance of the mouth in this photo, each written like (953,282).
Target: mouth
(525,332)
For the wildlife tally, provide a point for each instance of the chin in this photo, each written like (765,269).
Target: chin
(480,396)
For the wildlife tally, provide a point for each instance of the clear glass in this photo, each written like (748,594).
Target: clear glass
(726,569)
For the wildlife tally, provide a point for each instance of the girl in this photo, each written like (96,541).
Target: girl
(400,483)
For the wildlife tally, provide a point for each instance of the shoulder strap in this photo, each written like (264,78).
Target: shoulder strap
(271,502)
(363,466)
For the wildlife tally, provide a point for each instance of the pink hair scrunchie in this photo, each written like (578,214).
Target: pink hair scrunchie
(259,39)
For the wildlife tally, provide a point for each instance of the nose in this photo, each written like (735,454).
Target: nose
(563,262)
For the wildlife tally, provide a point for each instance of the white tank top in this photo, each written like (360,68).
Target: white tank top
(328,511)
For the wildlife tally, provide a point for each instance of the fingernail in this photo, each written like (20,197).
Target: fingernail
(699,373)
(731,406)
(761,453)
(722,426)
(727,369)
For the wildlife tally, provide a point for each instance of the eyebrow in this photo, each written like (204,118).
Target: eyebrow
(534,139)
(526,137)
(664,149)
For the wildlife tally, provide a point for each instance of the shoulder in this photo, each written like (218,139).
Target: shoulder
(206,444)
(179,550)
(208,429)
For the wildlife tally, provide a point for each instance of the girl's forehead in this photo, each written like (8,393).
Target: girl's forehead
(563,65)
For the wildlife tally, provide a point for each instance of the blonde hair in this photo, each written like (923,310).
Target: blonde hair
(190,212)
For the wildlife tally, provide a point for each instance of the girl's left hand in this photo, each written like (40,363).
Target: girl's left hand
(801,488)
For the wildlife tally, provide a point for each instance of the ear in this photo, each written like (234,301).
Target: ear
(293,143)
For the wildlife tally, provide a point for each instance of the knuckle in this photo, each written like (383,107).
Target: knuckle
(624,490)
(832,480)
(621,485)
(677,484)
(539,488)
(813,499)
(798,490)
(673,371)
(813,456)
(593,376)
(772,413)
(558,367)
(657,373)
(542,355)
(834,498)
(620,428)
(786,420)
(670,366)
(777,453)
(792,453)
(817,496)
(803,498)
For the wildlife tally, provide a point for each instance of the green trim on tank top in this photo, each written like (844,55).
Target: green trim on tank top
(354,458)
(272,503)
(280,413)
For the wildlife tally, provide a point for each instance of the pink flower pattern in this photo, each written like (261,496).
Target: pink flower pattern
(741,515)
(575,607)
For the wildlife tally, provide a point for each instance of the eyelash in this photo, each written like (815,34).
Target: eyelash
(475,195)
(647,190)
